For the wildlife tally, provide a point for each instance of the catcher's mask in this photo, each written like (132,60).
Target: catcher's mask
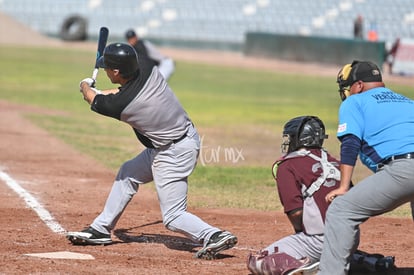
(358,70)
(303,132)
(343,81)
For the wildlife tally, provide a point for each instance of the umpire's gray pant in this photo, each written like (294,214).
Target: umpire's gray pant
(390,187)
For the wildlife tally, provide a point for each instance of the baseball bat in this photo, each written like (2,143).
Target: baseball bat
(102,39)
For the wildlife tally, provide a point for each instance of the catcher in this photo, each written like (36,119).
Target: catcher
(304,175)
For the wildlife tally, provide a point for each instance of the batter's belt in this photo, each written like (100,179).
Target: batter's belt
(180,139)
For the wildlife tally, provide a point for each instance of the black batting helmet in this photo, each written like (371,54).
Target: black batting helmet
(303,131)
(120,56)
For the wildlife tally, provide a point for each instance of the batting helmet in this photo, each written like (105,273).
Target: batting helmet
(358,70)
(120,56)
(303,131)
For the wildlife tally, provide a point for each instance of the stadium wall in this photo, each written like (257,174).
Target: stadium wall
(198,44)
(313,49)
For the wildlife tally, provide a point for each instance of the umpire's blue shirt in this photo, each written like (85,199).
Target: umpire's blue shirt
(384,122)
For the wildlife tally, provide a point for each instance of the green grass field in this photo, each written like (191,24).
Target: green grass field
(215,97)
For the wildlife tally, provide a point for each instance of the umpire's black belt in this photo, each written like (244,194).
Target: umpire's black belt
(388,160)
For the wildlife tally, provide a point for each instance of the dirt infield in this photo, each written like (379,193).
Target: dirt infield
(72,187)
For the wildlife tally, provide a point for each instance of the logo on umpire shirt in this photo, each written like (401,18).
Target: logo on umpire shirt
(341,128)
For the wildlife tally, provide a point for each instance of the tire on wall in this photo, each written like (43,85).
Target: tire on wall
(74,29)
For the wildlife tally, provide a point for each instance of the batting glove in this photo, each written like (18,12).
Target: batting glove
(98,92)
(91,82)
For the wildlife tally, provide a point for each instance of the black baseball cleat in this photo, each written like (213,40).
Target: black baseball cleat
(385,264)
(218,242)
(89,236)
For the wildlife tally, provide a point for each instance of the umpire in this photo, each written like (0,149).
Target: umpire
(377,124)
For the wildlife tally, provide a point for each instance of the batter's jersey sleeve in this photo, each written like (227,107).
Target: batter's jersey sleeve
(149,106)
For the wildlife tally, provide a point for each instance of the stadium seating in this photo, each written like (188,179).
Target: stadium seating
(218,20)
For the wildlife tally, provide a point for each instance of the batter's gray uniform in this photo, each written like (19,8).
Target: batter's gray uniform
(150,107)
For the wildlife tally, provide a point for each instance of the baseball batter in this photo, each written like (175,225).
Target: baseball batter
(378,124)
(146,102)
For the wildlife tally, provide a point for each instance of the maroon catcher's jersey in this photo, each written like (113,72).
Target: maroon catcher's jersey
(294,172)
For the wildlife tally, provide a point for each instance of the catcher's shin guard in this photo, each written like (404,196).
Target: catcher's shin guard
(254,262)
(279,264)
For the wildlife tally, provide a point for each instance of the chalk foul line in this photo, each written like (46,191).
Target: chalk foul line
(31,201)
(44,215)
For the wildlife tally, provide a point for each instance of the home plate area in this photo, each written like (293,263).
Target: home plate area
(62,255)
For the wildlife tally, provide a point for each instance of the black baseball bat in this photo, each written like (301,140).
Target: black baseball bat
(102,39)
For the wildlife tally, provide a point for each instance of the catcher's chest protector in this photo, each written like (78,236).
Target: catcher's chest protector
(312,218)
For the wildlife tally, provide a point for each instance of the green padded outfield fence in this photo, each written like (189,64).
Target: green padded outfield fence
(335,51)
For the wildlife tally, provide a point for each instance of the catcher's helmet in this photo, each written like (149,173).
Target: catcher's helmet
(120,56)
(358,70)
(303,131)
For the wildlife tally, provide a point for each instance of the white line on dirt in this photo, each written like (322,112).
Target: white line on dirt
(43,213)
(33,204)
(62,255)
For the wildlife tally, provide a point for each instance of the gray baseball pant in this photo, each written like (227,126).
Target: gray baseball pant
(299,245)
(169,168)
(390,187)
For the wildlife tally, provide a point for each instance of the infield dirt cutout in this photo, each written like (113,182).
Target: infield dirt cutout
(73,188)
